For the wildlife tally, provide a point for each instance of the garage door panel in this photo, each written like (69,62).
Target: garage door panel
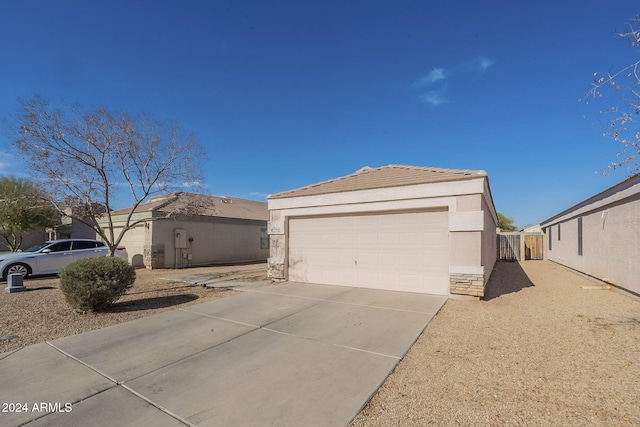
(410,239)
(346,257)
(330,257)
(367,259)
(387,239)
(403,251)
(367,240)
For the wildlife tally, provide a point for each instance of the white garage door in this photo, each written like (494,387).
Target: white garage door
(397,251)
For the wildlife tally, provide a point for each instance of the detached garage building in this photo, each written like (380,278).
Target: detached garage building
(405,228)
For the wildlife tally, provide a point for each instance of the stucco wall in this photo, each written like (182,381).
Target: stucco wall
(134,240)
(213,241)
(465,248)
(610,242)
(489,241)
(462,199)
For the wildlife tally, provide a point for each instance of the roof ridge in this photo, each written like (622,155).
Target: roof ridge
(171,197)
(435,169)
(382,179)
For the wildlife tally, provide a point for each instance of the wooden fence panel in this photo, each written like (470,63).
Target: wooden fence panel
(533,247)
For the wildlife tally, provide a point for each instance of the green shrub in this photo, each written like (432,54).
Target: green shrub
(94,284)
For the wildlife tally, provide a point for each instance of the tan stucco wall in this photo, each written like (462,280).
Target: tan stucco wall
(462,199)
(489,241)
(611,242)
(134,240)
(214,241)
(465,249)
(470,202)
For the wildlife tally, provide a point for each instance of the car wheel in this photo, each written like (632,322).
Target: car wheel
(21,269)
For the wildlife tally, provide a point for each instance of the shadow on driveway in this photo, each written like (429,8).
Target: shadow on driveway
(151,303)
(507,277)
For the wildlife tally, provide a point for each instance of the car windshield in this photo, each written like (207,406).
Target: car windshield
(36,248)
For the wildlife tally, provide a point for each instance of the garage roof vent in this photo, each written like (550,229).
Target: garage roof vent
(362,169)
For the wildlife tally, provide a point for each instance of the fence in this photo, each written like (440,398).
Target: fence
(519,246)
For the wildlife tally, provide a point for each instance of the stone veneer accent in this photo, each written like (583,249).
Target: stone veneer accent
(275,269)
(153,256)
(466,284)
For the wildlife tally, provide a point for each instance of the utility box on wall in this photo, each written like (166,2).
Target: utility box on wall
(180,238)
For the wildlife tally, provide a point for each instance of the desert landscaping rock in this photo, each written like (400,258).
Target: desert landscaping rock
(41,313)
(540,351)
(545,347)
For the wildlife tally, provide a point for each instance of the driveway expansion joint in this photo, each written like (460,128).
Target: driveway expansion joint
(113,380)
(156,405)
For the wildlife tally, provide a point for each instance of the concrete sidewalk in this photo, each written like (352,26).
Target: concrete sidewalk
(287,354)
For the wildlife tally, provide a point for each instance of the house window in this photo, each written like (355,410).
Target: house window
(550,239)
(264,238)
(580,236)
(558,231)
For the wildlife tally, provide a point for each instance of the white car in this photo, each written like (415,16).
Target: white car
(51,257)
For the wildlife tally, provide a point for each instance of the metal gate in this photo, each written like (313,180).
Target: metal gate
(520,246)
(508,247)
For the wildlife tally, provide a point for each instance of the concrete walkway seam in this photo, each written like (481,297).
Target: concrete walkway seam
(156,405)
(344,302)
(113,380)
(219,318)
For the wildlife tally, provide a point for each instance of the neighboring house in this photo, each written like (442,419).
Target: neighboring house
(405,228)
(71,228)
(600,236)
(68,228)
(186,229)
(535,228)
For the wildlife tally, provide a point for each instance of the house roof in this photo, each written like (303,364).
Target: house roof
(203,205)
(382,177)
(620,192)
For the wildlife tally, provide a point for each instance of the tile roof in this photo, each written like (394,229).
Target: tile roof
(383,177)
(203,205)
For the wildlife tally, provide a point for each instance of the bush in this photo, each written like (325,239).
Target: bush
(94,284)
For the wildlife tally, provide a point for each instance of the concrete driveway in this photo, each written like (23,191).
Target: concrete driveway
(283,355)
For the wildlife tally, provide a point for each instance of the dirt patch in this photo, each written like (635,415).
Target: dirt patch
(541,350)
(42,314)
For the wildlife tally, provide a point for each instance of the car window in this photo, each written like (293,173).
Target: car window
(82,244)
(60,246)
(36,248)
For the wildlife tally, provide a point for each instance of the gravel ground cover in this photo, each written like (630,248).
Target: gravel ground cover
(42,314)
(539,350)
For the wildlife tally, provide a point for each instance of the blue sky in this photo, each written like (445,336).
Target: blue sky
(288,93)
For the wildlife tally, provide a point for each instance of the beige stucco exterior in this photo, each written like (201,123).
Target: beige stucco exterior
(471,222)
(159,240)
(208,241)
(610,236)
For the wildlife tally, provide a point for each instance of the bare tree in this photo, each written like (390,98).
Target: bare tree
(620,118)
(85,158)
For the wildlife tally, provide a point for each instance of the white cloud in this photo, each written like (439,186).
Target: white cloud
(193,184)
(486,63)
(258,194)
(10,165)
(432,88)
(481,63)
(434,98)
(435,75)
